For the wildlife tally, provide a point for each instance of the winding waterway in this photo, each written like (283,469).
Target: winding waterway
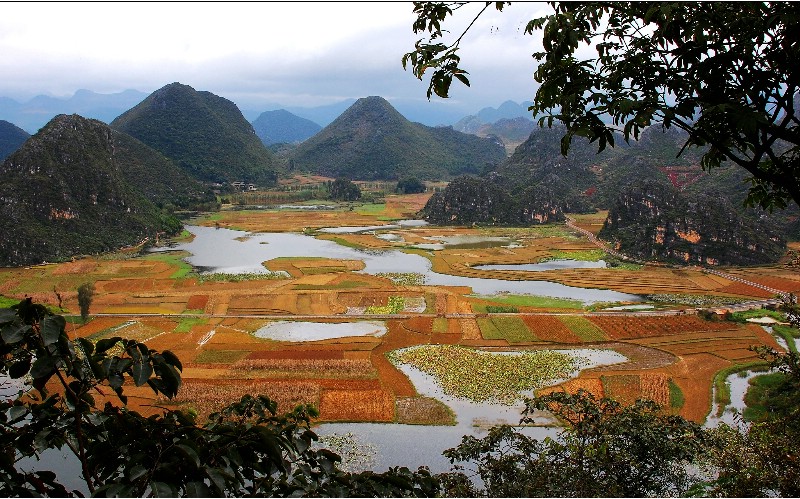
(232,251)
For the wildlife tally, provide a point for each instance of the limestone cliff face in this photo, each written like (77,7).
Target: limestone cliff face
(79,187)
(468,200)
(653,221)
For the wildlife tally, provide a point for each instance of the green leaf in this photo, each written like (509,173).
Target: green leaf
(13,333)
(88,346)
(20,368)
(52,327)
(7,315)
(162,489)
(44,367)
(197,489)
(107,344)
(142,372)
(190,452)
(171,358)
(136,472)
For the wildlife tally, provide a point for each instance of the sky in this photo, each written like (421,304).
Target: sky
(256,54)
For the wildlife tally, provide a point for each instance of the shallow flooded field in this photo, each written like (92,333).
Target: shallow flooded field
(264,302)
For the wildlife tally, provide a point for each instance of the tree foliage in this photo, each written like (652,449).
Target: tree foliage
(342,189)
(85,297)
(410,185)
(606,450)
(726,73)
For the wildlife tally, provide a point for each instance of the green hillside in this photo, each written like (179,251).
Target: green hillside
(79,187)
(372,141)
(206,135)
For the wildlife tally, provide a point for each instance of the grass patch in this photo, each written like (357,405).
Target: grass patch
(585,329)
(247,276)
(591,255)
(346,243)
(439,325)
(396,304)
(758,395)
(676,398)
(6,302)
(502,309)
(187,323)
(789,334)
(174,258)
(221,356)
(423,411)
(323,270)
(757,314)
(532,301)
(722,392)
(537,232)
(404,278)
(483,376)
(512,329)
(373,209)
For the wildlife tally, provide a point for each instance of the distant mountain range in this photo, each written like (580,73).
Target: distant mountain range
(206,135)
(11,138)
(281,126)
(33,114)
(78,187)
(372,140)
(77,177)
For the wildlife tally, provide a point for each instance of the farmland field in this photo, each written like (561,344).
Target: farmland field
(210,321)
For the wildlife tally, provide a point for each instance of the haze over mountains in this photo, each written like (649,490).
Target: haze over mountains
(76,176)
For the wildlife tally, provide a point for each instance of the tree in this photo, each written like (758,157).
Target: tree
(411,185)
(85,297)
(76,401)
(605,450)
(342,189)
(725,72)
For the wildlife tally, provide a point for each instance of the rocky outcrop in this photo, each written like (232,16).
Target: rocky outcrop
(654,221)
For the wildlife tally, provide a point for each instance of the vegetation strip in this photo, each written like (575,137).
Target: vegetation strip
(482,376)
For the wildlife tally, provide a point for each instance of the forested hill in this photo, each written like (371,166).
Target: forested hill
(79,187)
(206,135)
(372,141)
(654,221)
(11,137)
(534,185)
(537,185)
(281,126)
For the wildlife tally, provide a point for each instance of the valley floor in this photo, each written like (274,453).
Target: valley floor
(673,354)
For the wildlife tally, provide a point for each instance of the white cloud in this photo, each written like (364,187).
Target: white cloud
(300,53)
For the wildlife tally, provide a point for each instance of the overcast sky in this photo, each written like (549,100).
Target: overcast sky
(294,54)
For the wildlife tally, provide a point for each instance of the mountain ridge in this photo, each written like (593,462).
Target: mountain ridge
(205,134)
(371,140)
(78,186)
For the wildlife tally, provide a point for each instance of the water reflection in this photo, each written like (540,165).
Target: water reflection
(419,445)
(550,265)
(314,331)
(229,251)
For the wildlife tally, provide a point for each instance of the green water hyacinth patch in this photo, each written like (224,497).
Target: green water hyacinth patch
(492,377)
